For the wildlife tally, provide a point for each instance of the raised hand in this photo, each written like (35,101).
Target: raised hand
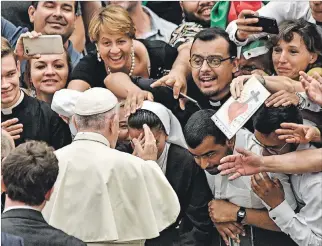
(299,134)
(19,50)
(270,191)
(312,86)
(247,163)
(282,98)
(175,80)
(12,127)
(148,150)
(134,100)
(245,27)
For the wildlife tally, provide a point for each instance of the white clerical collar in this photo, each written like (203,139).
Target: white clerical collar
(19,207)
(7,111)
(215,104)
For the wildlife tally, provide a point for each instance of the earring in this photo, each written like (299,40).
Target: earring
(98,54)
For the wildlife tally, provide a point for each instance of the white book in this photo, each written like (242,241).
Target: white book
(235,113)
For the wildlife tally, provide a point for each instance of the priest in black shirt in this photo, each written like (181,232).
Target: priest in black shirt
(213,62)
(38,120)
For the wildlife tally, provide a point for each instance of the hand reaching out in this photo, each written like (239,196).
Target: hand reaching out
(299,134)
(247,163)
(312,86)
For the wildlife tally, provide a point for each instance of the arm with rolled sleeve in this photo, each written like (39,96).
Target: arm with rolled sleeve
(305,227)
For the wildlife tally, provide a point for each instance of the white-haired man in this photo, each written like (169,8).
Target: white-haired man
(109,197)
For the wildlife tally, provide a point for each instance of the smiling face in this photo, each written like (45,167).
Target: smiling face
(197,11)
(291,58)
(10,73)
(213,82)
(208,154)
(49,73)
(54,17)
(115,50)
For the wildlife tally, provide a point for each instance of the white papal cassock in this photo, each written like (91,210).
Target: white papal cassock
(103,195)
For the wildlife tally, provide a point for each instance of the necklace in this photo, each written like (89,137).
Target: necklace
(132,62)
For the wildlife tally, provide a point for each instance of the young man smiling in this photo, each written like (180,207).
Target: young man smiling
(36,120)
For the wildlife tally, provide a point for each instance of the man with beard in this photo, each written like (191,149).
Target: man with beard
(196,16)
(147,24)
(212,61)
(249,214)
(48,18)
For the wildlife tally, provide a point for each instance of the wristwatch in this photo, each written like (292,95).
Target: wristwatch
(241,214)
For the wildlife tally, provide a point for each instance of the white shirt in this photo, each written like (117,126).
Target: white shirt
(239,191)
(280,11)
(19,207)
(305,227)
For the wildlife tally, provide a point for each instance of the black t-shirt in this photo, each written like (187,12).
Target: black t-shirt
(162,57)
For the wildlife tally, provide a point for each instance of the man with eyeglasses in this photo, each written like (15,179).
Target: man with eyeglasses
(304,226)
(212,61)
(235,210)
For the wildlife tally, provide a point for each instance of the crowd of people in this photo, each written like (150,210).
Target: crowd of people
(112,142)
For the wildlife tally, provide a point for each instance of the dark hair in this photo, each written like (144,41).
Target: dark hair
(141,117)
(29,172)
(27,73)
(200,126)
(268,119)
(306,30)
(35,4)
(212,33)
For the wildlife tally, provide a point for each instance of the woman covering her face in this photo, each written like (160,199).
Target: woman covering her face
(113,32)
(48,74)
(296,48)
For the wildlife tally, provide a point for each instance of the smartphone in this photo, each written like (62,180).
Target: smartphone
(269,25)
(43,45)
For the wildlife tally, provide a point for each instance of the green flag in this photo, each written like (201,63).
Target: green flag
(219,14)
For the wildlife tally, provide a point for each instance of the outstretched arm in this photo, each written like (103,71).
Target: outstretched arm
(249,163)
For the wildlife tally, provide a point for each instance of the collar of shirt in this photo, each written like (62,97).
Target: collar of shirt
(155,24)
(19,207)
(215,104)
(92,136)
(7,111)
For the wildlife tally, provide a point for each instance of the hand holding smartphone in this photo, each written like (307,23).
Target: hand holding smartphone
(43,45)
(31,45)
(269,25)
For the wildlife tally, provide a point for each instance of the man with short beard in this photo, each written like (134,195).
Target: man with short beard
(209,145)
(196,16)
(48,18)
(212,61)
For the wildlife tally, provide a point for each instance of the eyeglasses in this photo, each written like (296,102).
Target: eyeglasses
(271,150)
(207,155)
(196,61)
